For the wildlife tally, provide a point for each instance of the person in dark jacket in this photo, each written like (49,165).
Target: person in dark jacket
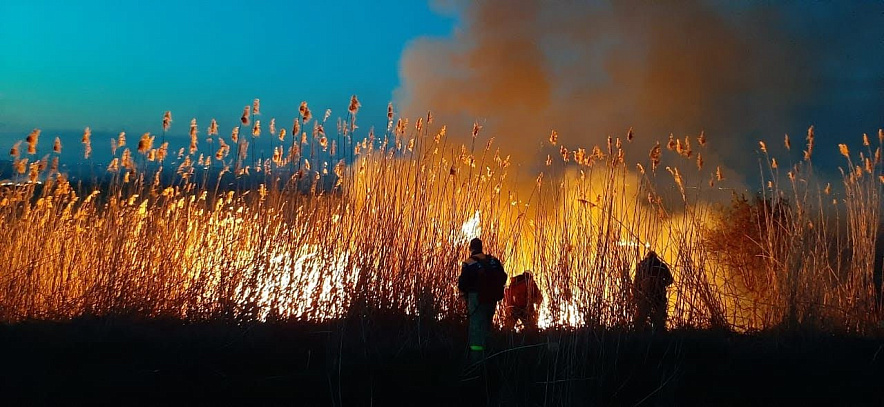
(481,282)
(522,298)
(652,276)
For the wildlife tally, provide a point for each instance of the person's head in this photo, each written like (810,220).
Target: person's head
(527,274)
(651,254)
(476,246)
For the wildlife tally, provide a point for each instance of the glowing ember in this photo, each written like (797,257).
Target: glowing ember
(633,243)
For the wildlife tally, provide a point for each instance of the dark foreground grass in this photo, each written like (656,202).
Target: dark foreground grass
(361,362)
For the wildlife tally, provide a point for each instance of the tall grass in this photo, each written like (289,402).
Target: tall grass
(338,226)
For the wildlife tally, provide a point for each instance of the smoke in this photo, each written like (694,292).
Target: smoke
(590,70)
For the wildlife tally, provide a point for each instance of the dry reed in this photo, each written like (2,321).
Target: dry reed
(381,232)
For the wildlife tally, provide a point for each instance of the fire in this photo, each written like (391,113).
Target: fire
(472,228)
(633,244)
(307,275)
(383,233)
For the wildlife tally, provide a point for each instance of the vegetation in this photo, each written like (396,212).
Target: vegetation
(342,227)
(341,252)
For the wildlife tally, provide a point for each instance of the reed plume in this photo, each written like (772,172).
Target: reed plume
(167,121)
(654,156)
(354,105)
(163,151)
(21,165)
(34,172)
(87,143)
(305,112)
(193,136)
(810,142)
(244,119)
(14,151)
(145,144)
(32,140)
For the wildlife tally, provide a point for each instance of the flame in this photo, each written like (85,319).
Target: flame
(305,277)
(634,244)
(472,228)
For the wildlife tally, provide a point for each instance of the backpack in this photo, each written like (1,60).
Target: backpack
(491,281)
(652,276)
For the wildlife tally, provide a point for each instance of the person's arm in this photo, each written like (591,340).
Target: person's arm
(640,271)
(463,283)
(468,279)
(536,295)
(502,276)
(667,275)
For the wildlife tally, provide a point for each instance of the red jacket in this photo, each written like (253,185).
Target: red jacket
(522,292)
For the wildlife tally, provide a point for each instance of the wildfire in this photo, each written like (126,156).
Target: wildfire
(383,232)
(472,228)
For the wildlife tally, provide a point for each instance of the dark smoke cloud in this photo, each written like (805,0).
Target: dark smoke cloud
(741,73)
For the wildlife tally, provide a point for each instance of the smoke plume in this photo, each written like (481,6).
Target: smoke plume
(590,70)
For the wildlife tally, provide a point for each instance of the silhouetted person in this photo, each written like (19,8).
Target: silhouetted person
(652,276)
(522,298)
(481,282)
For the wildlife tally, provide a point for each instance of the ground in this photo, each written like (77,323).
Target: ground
(160,362)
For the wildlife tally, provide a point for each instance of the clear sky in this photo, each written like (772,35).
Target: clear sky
(118,65)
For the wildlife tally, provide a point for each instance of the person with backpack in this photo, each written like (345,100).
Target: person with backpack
(652,276)
(481,282)
(522,298)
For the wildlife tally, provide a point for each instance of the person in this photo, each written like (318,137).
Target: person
(481,282)
(652,276)
(522,298)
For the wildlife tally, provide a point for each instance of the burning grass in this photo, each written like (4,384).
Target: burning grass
(339,226)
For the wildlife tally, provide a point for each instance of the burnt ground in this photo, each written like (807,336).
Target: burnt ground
(125,362)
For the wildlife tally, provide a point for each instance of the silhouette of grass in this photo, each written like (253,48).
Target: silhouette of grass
(154,361)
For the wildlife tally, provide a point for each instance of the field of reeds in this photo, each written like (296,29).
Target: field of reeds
(337,224)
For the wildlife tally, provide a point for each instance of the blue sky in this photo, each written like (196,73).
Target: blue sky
(740,71)
(118,65)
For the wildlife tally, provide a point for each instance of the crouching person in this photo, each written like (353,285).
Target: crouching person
(652,276)
(522,299)
(481,282)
